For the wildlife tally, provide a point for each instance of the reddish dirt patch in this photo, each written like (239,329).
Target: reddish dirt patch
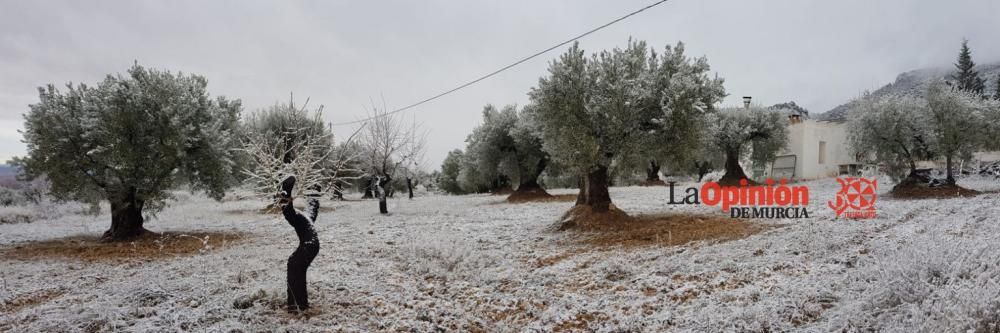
(909,190)
(733,181)
(582,217)
(529,194)
(616,228)
(148,247)
(676,229)
(538,195)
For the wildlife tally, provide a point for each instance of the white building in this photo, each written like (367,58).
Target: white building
(817,148)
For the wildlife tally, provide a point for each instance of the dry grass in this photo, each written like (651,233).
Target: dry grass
(150,246)
(30,299)
(554,259)
(580,322)
(616,228)
(704,284)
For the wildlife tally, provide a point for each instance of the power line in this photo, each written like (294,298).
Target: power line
(503,68)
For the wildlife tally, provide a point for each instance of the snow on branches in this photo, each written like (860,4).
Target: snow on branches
(897,131)
(294,148)
(737,132)
(388,143)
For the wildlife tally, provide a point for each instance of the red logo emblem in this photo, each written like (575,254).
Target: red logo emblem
(856,198)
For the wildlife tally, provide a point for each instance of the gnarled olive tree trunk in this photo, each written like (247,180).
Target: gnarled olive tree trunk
(653,171)
(369,188)
(950,177)
(126,216)
(734,172)
(530,182)
(703,167)
(500,185)
(381,192)
(594,190)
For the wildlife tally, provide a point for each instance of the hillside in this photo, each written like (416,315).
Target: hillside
(7,170)
(915,82)
(8,175)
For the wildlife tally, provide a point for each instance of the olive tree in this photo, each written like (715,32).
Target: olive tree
(506,145)
(886,129)
(473,180)
(991,121)
(758,132)
(594,111)
(530,159)
(681,94)
(488,157)
(955,122)
(129,139)
(288,126)
(582,125)
(447,180)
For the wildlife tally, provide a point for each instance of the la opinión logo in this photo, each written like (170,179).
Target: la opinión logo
(856,198)
(750,201)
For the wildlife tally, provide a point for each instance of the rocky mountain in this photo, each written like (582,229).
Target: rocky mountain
(915,82)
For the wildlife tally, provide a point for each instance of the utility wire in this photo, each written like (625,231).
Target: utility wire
(503,68)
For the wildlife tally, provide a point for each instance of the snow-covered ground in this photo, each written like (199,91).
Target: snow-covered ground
(468,263)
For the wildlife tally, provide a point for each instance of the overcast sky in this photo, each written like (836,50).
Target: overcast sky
(343,54)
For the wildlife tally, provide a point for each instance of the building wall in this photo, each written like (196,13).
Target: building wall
(987,156)
(796,144)
(804,142)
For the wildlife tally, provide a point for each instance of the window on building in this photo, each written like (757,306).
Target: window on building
(822,152)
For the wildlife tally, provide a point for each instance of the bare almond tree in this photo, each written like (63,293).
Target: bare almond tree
(413,169)
(388,142)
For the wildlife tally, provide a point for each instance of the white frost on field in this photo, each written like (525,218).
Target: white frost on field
(464,263)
